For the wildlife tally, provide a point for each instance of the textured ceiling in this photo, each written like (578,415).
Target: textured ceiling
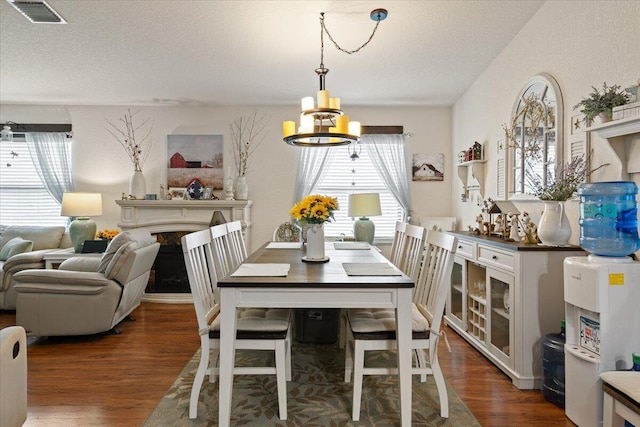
(139,52)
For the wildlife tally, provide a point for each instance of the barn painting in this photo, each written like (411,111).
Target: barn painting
(428,167)
(196,157)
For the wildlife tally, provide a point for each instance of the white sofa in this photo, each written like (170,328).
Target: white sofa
(44,238)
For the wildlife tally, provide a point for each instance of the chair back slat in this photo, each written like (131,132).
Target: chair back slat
(411,250)
(435,274)
(398,238)
(198,259)
(221,252)
(237,248)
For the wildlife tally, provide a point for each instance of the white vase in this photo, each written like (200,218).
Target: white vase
(554,228)
(242,188)
(315,243)
(137,185)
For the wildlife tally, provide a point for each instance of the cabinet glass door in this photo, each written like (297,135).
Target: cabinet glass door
(456,302)
(501,306)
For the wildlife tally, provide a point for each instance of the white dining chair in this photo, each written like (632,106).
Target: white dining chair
(237,247)
(406,253)
(410,250)
(220,247)
(396,244)
(257,329)
(374,329)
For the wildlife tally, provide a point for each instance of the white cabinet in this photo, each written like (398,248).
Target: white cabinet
(504,297)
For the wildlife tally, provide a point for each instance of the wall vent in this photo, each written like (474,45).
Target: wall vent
(37,11)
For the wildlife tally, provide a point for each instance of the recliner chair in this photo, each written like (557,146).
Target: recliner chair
(87,295)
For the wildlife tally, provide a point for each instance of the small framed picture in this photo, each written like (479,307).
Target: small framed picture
(177,193)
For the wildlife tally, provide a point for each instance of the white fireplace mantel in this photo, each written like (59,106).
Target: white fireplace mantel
(181,215)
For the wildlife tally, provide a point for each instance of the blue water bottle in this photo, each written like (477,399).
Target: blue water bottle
(609,218)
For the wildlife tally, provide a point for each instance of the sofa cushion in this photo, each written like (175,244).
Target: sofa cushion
(43,237)
(119,259)
(120,240)
(15,246)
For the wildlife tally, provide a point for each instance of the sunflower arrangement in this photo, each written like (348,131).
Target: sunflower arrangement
(314,209)
(107,234)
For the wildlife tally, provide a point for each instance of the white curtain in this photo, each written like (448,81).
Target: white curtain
(51,155)
(389,156)
(311,166)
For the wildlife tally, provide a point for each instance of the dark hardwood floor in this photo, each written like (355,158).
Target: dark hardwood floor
(117,380)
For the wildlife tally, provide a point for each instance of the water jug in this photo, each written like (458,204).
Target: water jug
(552,349)
(609,218)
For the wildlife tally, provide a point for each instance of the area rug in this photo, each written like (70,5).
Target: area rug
(316,396)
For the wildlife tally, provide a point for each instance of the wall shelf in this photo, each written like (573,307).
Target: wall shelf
(476,182)
(623,136)
(621,127)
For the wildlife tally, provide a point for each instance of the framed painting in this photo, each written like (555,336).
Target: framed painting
(195,161)
(428,167)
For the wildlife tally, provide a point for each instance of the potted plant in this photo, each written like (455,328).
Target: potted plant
(600,103)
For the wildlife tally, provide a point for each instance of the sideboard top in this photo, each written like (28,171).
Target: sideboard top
(512,246)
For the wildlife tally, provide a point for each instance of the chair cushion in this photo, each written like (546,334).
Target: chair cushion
(258,323)
(15,246)
(380,323)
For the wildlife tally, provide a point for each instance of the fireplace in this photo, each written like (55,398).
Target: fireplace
(169,274)
(169,220)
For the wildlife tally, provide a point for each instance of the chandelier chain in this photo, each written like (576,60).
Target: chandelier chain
(323,29)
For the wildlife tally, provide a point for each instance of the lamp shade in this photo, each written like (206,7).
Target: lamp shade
(81,204)
(364,204)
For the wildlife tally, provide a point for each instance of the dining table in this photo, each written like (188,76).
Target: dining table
(276,276)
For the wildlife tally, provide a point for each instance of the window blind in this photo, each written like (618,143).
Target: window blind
(345,176)
(23,197)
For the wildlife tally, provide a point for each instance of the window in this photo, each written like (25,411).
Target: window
(345,176)
(24,199)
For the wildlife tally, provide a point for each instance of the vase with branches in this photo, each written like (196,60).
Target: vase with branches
(136,140)
(125,133)
(247,133)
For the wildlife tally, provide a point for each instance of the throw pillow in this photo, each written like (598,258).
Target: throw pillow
(15,246)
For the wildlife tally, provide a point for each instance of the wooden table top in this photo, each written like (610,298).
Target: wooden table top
(330,274)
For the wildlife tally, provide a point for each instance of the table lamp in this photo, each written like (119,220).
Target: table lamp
(81,206)
(363,205)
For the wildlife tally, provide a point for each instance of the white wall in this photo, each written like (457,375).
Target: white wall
(100,163)
(581,44)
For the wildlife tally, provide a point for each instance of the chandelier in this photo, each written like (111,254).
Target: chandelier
(324,124)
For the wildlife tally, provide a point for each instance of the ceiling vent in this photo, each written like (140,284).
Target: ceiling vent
(37,11)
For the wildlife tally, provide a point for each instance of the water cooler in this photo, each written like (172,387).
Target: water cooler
(602,297)
(602,315)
